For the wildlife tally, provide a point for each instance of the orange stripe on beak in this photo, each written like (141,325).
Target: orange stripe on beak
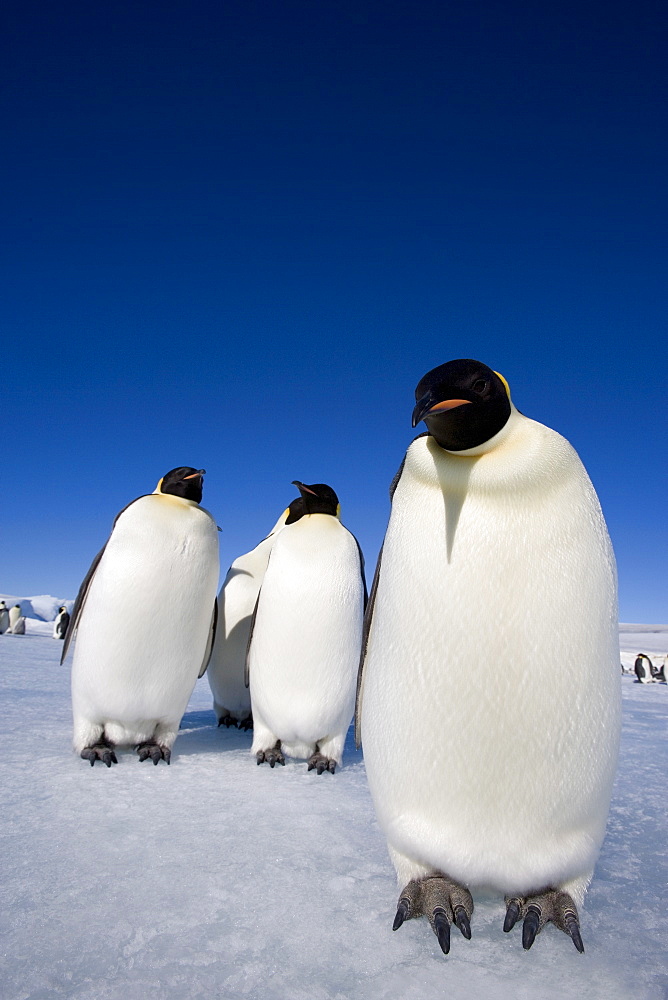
(447,404)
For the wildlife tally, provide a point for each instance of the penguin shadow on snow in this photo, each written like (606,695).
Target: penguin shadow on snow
(199,733)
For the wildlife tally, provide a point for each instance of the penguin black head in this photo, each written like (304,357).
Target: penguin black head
(463,403)
(296,510)
(183,482)
(317,499)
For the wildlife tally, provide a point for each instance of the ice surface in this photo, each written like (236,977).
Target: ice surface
(215,878)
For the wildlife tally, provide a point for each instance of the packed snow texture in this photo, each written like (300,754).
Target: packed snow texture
(217,878)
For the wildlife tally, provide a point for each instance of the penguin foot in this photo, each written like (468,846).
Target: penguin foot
(271,756)
(246,723)
(227,720)
(154,751)
(552,905)
(442,901)
(100,751)
(321,763)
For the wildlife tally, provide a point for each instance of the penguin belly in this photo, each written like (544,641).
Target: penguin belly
(490,703)
(306,640)
(236,603)
(136,661)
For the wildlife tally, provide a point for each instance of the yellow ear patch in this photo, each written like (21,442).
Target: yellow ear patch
(338,511)
(504,382)
(158,488)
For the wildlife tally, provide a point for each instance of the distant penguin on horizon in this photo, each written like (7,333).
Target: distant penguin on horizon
(19,628)
(643,669)
(489,690)
(4,617)
(60,623)
(305,637)
(14,615)
(131,685)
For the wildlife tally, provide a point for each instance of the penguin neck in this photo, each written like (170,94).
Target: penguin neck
(172,498)
(493,442)
(182,502)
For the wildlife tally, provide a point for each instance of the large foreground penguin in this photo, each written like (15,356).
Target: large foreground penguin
(489,695)
(236,603)
(144,617)
(306,637)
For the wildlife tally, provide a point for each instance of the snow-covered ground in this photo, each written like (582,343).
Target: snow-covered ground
(217,878)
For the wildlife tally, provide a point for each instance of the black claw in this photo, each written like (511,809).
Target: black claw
(321,766)
(102,752)
(403,910)
(462,921)
(530,926)
(272,762)
(573,928)
(166,755)
(442,928)
(259,756)
(331,767)
(311,765)
(512,915)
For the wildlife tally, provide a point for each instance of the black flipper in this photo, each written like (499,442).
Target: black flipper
(366,629)
(250,639)
(80,601)
(368,615)
(85,586)
(361,555)
(210,641)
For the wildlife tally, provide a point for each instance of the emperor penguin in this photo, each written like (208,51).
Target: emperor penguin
(61,622)
(19,627)
(14,615)
(131,685)
(305,637)
(4,617)
(489,690)
(643,669)
(236,603)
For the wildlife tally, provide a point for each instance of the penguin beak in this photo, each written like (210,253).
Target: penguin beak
(427,404)
(194,475)
(302,488)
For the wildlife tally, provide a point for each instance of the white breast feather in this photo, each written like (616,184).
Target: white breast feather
(306,640)
(493,657)
(144,628)
(236,604)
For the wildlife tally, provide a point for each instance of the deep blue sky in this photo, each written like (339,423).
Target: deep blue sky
(236,234)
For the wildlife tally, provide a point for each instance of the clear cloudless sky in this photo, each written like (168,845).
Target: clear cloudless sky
(237,233)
